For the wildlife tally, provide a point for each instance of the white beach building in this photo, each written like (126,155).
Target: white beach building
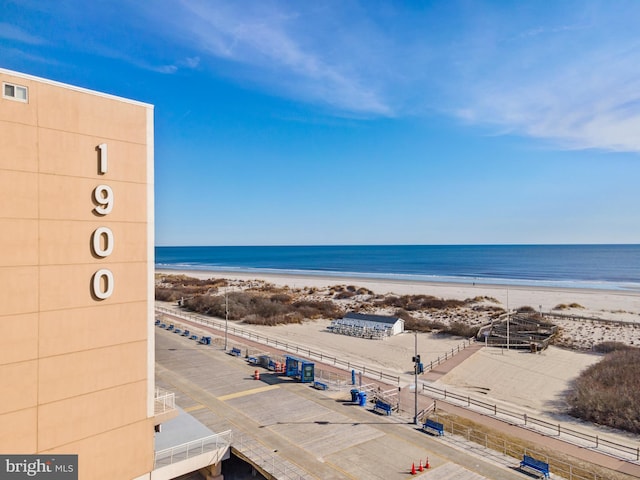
(367,326)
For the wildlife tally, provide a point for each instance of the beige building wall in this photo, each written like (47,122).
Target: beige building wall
(76,371)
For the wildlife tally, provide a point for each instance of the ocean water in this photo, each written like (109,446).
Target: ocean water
(572,266)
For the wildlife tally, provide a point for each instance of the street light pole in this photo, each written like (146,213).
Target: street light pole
(508,317)
(226,318)
(416,360)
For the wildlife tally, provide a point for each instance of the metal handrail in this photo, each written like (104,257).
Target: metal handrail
(164,401)
(301,350)
(268,461)
(510,448)
(187,450)
(298,349)
(624,452)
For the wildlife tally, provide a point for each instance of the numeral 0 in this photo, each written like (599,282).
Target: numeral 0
(96,241)
(103,196)
(102,276)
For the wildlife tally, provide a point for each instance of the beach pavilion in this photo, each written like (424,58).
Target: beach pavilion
(367,325)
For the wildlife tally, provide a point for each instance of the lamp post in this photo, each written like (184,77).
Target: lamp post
(416,362)
(508,317)
(226,318)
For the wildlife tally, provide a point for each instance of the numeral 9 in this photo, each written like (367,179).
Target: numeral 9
(103,196)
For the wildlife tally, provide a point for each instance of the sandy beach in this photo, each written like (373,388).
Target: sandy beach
(490,372)
(616,302)
(610,305)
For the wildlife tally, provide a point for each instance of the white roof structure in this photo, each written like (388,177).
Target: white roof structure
(367,326)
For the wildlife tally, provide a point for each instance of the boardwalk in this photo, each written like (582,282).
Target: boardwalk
(407,405)
(294,431)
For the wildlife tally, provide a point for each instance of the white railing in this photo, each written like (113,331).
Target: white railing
(268,461)
(164,401)
(218,443)
(425,411)
(279,344)
(304,350)
(626,451)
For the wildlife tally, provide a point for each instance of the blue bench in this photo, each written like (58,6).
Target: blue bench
(170,327)
(162,325)
(252,360)
(157,322)
(235,351)
(433,425)
(185,333)
(384,406)
(537,466)
(320,386)
(205,340)
(177,330)
(194,337)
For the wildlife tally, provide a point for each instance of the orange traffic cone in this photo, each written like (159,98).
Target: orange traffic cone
(420,469)
(413,469)
(426,465)
(256,375)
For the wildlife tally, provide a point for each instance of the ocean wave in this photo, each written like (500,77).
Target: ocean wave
(461,279)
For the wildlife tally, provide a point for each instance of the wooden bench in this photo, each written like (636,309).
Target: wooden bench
(383,406)
(538,466)
(437,427)
(320,386)
(235,351)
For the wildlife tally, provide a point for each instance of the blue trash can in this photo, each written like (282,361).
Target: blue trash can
(354,395)
(363,398)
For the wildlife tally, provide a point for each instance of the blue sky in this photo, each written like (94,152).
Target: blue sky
(372,122)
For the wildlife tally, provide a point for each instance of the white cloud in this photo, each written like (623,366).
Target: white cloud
(188,62)
(588,100)
(15,53)
(572,80)
(269,47)
(12,32)
(165,69)
(191,62)
(540,30)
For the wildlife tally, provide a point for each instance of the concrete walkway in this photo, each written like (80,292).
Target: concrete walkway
(407,404)
(445,367)
(292,431)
